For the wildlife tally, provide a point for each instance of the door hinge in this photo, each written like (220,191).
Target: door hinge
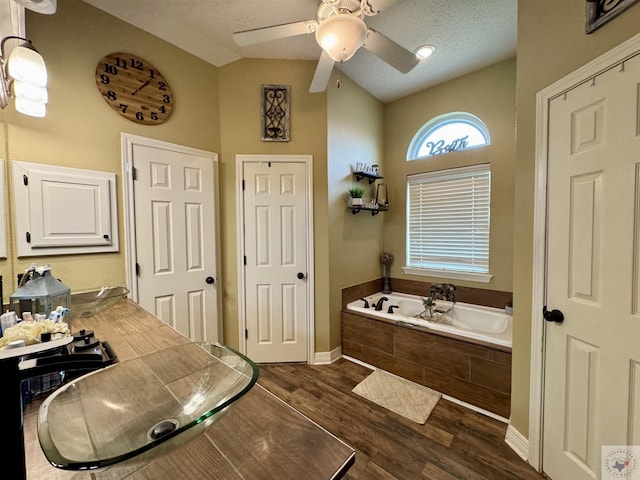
(245,260)
(28,236)
(246,334)
(134,173)
(243,184)
(137,269)
(25,180)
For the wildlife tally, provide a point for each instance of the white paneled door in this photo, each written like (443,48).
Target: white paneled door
(176,237)
(592,358)
(275,223)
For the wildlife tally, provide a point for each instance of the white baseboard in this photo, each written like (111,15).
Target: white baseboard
(518,442)
(325,358)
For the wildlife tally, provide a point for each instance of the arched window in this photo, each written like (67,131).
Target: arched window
(448,133)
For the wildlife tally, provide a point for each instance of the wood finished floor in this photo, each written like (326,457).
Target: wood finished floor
(455,443)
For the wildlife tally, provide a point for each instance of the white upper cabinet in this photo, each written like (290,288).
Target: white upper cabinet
(62,210)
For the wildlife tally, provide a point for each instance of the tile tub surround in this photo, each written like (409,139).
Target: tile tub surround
(476,373)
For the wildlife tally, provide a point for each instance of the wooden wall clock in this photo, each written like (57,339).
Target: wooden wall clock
(134,88)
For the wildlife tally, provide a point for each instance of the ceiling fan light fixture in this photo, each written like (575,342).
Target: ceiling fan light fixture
(425,51)
(341,36)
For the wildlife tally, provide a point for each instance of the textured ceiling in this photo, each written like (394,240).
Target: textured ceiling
(468,34)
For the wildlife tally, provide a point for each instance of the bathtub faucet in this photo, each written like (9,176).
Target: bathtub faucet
(443,291)
(378,305)
(366,303)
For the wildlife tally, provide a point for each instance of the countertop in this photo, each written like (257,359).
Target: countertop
(260,436)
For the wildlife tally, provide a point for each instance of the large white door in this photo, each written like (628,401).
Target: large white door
(176,236)
(592,358)
(275,223)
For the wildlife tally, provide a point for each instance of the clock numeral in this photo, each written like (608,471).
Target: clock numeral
(139,116)
(137,64)
(111,95)
(110,69)
(121,63)
(166,98)
(105,79)
(123,107)
(162,86)
(152,74)
(154,115)
(162,109)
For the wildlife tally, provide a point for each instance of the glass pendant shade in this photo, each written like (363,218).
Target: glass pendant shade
(341,36)
(30,107)
(27,65)
(30,92)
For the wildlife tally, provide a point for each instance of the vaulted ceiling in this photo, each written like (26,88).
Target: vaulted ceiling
(468,34)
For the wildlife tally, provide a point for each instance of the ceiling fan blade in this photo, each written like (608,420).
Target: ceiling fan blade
(395,55)
(323,73)
(259,35)
(378,6)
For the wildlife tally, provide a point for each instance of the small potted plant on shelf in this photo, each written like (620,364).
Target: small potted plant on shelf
(356,195)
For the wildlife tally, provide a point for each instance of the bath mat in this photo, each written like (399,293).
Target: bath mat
(413,401)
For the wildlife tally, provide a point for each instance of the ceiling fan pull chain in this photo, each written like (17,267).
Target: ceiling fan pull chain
(338,81)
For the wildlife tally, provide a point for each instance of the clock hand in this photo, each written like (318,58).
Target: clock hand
(141,87)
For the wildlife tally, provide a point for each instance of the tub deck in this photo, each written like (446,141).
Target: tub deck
(472,323)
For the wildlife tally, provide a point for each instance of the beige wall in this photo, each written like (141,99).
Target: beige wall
(551,44)
(490,95)
(355,134)
(82,131)
(217,110)
(240,134)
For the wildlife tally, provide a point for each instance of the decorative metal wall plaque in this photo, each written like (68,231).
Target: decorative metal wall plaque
(275,113)
(600,12)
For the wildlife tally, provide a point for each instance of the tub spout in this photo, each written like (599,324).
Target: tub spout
(380,302)
(443,291)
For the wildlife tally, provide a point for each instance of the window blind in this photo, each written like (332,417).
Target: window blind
(448,219)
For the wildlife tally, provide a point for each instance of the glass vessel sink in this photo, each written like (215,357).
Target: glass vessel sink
(131,412)
(90,303)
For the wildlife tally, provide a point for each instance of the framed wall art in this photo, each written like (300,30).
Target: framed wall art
(275,113)
(600,12)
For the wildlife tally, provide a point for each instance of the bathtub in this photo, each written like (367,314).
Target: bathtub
(473,322)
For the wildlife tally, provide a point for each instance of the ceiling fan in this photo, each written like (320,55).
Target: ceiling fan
(340,30)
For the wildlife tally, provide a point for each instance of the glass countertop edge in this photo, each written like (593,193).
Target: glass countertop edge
(58,460)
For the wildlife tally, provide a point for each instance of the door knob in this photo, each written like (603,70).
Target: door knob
(210,280)
(300,275)
(552,315)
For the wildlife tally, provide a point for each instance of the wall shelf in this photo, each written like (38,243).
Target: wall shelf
(374,211)
(369,176)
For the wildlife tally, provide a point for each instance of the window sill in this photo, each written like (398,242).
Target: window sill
(430,272)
